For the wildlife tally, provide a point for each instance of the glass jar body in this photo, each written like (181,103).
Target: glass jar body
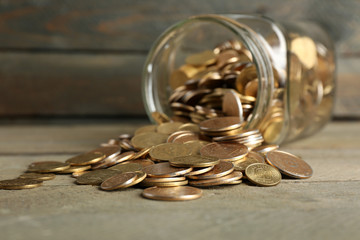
(284,74)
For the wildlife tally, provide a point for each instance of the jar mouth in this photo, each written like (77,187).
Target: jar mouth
(162,56)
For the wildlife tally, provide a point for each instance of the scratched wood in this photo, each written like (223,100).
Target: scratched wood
(325,206)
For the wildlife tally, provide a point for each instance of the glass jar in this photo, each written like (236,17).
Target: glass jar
(284,73)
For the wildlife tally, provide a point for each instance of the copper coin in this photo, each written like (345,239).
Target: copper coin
(126,145)
(220,124)
(149,139)
(140,176)
(221,169)
(169,127)
(263,149)
(38,176)
(181,193)
(231,105)
(186,137)
(230,151)
(143,162)
(234,176)
(239,135)
(166,151)
(144,129)
(47,167)
(121,180)
(127,167)
(263,174)
(252,157)
(142,153)
(108,162)
(95,177)
(163,179)
(76,169)
(198,171)
(19,183)
(175,134)
(165,170)
(289,164)
(194,161)
(78,174)
(164,184)
(110,151)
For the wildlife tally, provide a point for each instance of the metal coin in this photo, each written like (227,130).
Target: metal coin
(76,169)
(164,184)
(166,151)
(194,161)
(160,118)
(234,176)
(190,127)
(169,127)
(163,179)
(186,137)
(198,171)
(289,164)
(165,170)
(47,167)
(143,162)
(95,177)
(232,106)
(195,146)
(140,176)
(252,157)
(108,162)
(146,140)
(78,174)
(263,149)
(220,124)
(38,176)
(110,151)
(221,169)
(263,174)
(172,193)
(19,183)
(127,167)
(230,151)
(144,129)
(120,180)
(142,153)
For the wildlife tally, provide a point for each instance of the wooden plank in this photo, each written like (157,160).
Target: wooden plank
(134,25)
(107,84)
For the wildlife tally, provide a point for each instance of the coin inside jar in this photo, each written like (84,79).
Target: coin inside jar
(230,151)
(165,170)
(180,193)
(289,164)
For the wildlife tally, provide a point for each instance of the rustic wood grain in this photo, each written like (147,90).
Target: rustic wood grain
(324,207)
(134,25)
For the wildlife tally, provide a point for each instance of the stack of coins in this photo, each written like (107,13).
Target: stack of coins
(154,160)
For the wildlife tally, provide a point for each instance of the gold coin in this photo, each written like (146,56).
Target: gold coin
(169,127)
(38,176)
(164,184)
(165,170)
(146,140)
(251,88)
(234,176)
(166,151)
(198,171)
(195,146)
(305,49)
(140,176)
(181,193)
(240,135)
(289,164)
(73,169)
(206,57)
(252,157)
(235,182)
(126,145)
(263,174)
(230,151)
(263,149)
(121,180)
(48,167)
(142,162)
(19,183)
(221,169)
(232,106)
(110,151)
(108,162)
(142,153)
(78,174)
(220,124)
(160,117)
(95,177)
(144,129)
(190,127)
(163,179)
(127,167)
(194,161)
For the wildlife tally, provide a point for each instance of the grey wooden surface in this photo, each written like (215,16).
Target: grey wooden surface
(85,57)
(325,206)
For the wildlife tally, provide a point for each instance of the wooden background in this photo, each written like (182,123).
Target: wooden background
(85,57)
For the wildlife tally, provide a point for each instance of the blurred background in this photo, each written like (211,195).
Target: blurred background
(84,58)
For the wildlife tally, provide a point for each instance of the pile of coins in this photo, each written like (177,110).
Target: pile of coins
(223,82)
(172,159)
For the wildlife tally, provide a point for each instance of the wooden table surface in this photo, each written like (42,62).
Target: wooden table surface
(326,206)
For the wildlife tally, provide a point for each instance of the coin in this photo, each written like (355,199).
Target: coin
(146,140)
(206,57)
(75,169)
(127,167)
(160,117)
(186,137)
(221,169)
(147,128)
(163,179)
(194,161)
(166,151)
(181,193)
(252,157)
(230,151)
(164,184)
(220,124)
(169,127)
(142,153)
(143,162)
(47,167)
(19,183)
(140,176)
(121,180)
(110,151)
(38,176)
(165,170)
(263,149)
(231,105)
(95,177)
(263,174)
(289,164)
(78,174)
(234,176)
(195,146)
(108,162)
(305,49)
(198,171)
(190,127)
